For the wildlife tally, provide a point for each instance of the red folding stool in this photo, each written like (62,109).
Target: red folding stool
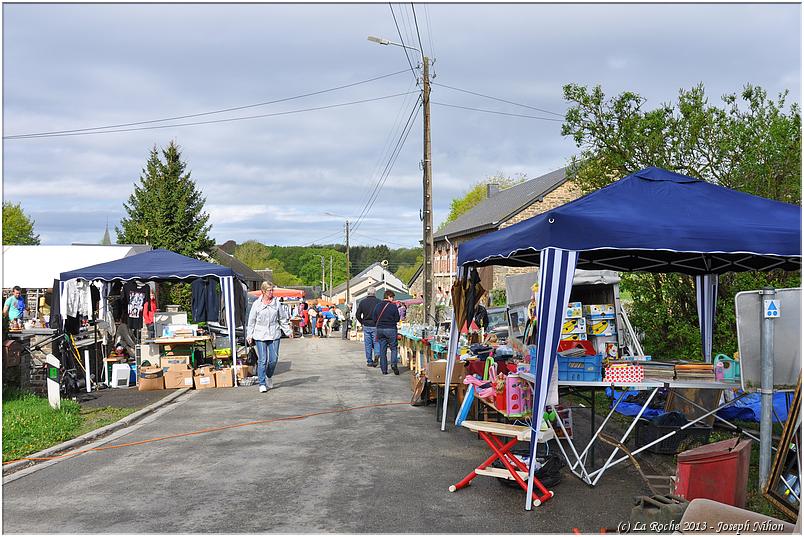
(514,469)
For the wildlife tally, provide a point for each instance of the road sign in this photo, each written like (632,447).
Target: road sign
(772,309)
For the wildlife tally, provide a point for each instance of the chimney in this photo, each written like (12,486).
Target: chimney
(492,189)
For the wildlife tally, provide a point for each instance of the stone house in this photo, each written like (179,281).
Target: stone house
(500,209)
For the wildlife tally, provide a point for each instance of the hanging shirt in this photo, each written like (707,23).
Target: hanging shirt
(206,300)
(135,296)
(79,297)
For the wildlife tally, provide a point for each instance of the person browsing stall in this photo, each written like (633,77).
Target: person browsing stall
(14,306)
(364,315)
(267,320)
(386,315)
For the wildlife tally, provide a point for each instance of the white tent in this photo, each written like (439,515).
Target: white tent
(35,267)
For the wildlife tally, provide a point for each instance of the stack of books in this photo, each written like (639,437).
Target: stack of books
(659,370)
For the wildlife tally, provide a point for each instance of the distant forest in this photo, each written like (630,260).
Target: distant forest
(301,265)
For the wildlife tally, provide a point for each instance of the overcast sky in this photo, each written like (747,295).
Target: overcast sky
(273,178)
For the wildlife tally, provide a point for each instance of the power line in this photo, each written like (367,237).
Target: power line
(498,99)
(383,240)
(374,189)
(209,122)
(385,148)
(497,112)
(390,165)
(430,36)
(416,22)
(232,109)
(321,238)
(412,70)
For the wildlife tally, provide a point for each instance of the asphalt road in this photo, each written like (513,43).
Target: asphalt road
(376,470)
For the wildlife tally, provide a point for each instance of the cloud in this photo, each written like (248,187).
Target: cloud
(84,65)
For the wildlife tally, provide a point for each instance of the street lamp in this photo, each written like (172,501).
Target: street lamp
(427,202)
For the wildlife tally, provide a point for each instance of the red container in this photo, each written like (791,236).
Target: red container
(716,471)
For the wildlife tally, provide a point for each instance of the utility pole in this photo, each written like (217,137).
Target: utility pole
(348,274)
(323,275)
(429,303)
(330,276)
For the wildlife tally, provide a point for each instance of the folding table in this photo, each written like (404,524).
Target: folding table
(515,469)
(580,466)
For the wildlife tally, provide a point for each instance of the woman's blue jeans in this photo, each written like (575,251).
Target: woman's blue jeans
(267,356)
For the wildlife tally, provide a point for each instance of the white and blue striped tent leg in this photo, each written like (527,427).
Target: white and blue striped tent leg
(452,350)
(557,268)
(706,293)
(228,293)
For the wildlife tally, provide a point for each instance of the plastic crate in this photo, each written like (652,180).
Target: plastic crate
(583,368)
(647,432)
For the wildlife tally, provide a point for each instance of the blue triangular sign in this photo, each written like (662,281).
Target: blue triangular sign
(771,307)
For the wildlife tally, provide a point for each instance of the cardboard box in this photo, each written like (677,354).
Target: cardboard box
(574,310)
(573,337)
(181,349)
(151,378)
(599,311)
(437,372)
(174,363)
(624,373)
(573,326)
(602,327)
(204,378)
(178,379)
(224,378)
(245,371)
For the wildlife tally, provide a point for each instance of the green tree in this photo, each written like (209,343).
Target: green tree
(18,228)
(258,256)
(406,272)
(478,192)
(166,210)
(750,143)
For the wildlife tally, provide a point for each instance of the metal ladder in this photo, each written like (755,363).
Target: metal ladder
(631,340)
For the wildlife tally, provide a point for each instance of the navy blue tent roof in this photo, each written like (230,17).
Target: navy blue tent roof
(654,221)
(153,265)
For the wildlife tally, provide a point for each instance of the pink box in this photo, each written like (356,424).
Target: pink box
(518,396)
(628,373)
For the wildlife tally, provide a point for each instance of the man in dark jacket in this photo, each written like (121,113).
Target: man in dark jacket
(364,315)
(386,315)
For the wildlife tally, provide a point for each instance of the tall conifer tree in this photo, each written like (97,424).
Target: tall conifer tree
(166,210)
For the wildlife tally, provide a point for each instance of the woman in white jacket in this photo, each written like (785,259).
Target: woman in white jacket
(267,319)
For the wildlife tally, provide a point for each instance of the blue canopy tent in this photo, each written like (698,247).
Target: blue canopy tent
(163,266)
(652,221)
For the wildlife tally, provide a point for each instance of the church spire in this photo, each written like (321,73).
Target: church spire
(106,241)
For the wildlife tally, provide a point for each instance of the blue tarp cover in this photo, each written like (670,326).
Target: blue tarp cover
(152,265)
(747,409)
(660,218)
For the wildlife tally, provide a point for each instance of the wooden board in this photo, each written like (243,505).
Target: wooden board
(708,399)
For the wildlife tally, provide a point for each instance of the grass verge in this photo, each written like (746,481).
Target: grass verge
(30,425)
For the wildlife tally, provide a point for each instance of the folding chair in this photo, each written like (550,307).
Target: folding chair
(515,469)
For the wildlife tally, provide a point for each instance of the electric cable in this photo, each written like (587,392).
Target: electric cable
(412,70)
(496,112)
(206,430)
(386,147)
(416,22)
(389,166)
(213,121)
(232,109)
(498,99)
(379,178)
(383,240)
(430,36)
